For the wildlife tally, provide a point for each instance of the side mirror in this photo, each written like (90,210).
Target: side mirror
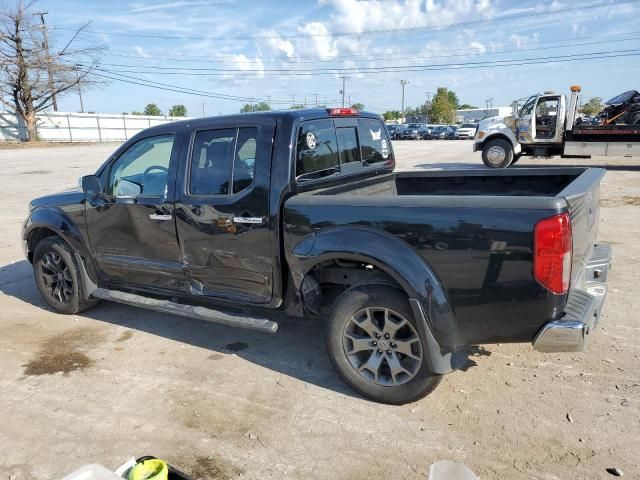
(91,184)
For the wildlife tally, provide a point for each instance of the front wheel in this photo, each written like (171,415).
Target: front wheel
(57,275)
(375,345)
(497,153)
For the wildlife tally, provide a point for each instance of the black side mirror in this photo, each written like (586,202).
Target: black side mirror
(91,184)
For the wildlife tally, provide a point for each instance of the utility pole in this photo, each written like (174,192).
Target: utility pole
(316,95)
(203,112)
(79,90)
(47,56)
(269,100)
(403,83)
(293,100)
(344,87)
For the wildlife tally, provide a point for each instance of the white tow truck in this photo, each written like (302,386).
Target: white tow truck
(545,126)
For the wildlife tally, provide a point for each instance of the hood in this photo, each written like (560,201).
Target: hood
(58,199)
(491,121)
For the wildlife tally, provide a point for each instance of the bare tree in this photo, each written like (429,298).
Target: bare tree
(32,72)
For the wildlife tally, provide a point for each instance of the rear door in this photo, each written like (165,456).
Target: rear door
(222,211)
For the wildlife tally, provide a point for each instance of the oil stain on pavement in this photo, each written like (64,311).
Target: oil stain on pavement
(61,354)
(236,346)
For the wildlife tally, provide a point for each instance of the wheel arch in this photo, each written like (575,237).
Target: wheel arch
(47,222)
(400,262)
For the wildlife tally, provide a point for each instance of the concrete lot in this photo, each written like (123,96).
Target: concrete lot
(221,403)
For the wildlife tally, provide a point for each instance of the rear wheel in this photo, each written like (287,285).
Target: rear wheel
(497,153)
(375,345)
(58,276)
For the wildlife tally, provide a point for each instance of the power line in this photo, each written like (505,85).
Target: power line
(383,69)
(581,7)
(557,44)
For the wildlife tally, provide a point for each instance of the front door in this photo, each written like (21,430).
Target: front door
(525,124)
(131,225)
(222,212)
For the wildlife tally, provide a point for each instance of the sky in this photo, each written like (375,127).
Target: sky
(231,51)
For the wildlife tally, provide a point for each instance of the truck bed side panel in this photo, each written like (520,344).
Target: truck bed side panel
(482,256)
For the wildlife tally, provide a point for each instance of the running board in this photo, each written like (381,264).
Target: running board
(166,306)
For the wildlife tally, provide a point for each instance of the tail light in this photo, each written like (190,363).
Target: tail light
(552,253)
(342,112)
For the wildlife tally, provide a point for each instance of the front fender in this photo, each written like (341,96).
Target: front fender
(395,257)
(56,220)
(504,132)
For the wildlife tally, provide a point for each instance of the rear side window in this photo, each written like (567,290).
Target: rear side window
(317,149)
(323,148)
(223,161)
(374,142)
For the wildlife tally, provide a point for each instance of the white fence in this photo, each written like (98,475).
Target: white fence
(79,127)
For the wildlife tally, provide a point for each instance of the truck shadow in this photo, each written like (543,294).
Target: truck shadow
(297,350)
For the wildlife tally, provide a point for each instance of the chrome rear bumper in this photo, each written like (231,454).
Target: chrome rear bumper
(584,305)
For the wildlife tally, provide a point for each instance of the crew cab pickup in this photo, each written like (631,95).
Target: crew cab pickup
(231,218)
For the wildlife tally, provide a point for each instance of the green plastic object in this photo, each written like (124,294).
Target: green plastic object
(152,469)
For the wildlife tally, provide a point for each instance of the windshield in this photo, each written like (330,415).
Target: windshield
(468,125)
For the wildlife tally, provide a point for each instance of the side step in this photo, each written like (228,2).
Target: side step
(166,306)
(191,311)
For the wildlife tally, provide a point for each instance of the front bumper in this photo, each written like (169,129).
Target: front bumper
(584,306)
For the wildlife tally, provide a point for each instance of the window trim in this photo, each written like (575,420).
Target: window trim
(120,155)
(187,175)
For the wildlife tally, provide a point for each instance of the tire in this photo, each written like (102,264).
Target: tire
(497,153)
(381,309)
(58,277)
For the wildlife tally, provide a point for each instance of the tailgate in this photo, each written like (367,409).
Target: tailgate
(583,199)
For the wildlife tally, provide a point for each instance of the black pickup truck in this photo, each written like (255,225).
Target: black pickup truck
(228,219)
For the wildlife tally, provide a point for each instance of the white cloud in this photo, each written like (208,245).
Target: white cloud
(144,7)
(478,46)
(319,41)
(141,51)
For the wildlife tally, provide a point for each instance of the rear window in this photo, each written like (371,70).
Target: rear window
(323,149)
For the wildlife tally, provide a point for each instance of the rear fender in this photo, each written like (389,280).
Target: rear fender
(399,260)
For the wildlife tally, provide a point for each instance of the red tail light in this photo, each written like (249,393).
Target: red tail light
(342,112)
(552,253)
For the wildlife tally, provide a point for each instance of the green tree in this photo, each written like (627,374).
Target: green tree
(136,113)
(391,115)
(442,109)
(255,107)
(453,99)
(178,111)
(358,106)
(593,106)
(152,109)
(466,106)
(297,106)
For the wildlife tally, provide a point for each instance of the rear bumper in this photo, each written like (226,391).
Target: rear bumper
(584,305)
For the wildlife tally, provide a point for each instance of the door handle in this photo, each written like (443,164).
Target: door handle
(160,216)
(251,220)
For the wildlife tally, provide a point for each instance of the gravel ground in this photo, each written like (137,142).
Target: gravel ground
(223,403)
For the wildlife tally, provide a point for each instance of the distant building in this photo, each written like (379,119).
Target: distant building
(473,115)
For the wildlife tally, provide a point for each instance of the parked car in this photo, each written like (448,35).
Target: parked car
(452,132)
(222,219)
(411,131)
(466,131)
(393,129)
(441,132)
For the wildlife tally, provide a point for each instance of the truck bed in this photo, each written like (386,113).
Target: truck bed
(604,133)
(474,228)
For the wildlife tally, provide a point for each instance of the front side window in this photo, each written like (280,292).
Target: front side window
(223,161)
(317,152)
(143,169)
(528,107)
